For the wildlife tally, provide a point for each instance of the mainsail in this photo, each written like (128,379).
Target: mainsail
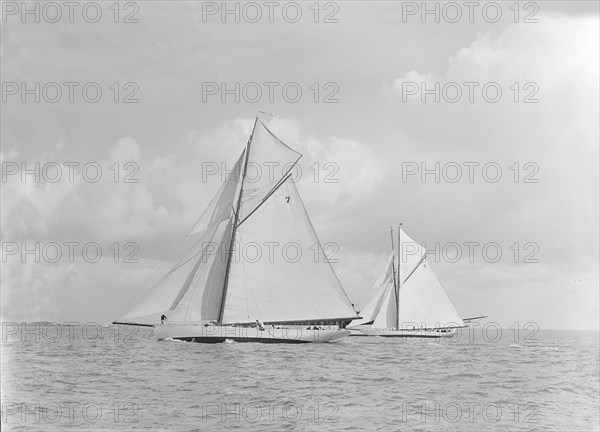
(254,253)
(290,282)
(422,302)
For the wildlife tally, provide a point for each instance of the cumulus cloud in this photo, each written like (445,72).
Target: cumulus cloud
(541,53)
(396,88)
(125,149)
(559,134)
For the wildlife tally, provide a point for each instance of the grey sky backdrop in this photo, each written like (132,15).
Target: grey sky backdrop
(370,54)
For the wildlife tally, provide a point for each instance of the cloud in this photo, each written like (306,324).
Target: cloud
(125,149)
(561,65)
(559,134)
(396,88)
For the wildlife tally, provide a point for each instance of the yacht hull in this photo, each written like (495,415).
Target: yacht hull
(404,333)
(211,333)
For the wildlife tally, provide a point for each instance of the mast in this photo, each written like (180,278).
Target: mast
(399,279)
(394,273)
(235,223)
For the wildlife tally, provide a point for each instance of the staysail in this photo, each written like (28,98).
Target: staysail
(383,285)
(263,262)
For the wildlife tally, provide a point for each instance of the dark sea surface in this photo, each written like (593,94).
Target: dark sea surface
(121,380)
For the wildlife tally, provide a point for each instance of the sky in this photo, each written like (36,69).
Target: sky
(518,170)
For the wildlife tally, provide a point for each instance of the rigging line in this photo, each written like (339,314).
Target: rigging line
(416,267)
(474,318)
(269,114)
(339,283)
(267,196)
(281,181)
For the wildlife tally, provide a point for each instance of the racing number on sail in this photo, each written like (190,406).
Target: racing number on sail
(287,199)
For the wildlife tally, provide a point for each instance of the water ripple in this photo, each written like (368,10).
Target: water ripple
(356,384)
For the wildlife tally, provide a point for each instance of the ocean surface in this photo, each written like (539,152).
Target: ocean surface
(57,378)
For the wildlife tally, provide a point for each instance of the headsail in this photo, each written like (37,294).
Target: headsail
(202,300)
(195,268)
(383,284)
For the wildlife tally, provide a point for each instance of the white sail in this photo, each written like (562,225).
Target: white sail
(194,258)
(294,282)
(371,309)
(220,206)
(386,318)
(422,300)
(409,254)
(201,300)
(268,161)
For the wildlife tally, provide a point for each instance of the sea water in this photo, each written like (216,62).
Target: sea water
(89,377)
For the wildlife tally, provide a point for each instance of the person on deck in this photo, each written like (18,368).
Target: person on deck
(163,318)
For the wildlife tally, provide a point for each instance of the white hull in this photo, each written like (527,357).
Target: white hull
(406,333)
(211,333)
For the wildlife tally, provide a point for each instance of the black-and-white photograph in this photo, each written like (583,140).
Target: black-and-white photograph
(300,215)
